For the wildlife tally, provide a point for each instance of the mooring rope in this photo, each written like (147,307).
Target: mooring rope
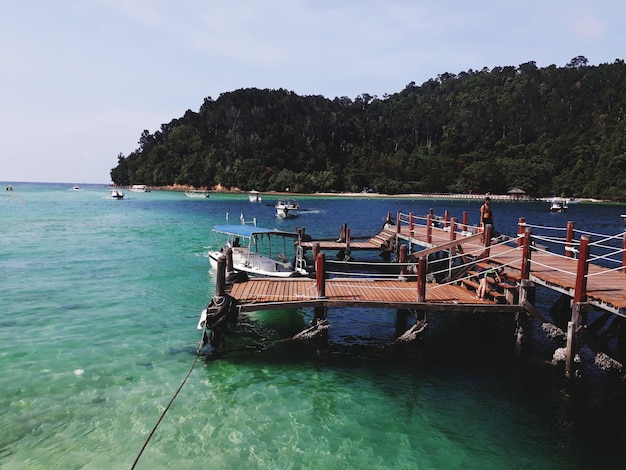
(168,406)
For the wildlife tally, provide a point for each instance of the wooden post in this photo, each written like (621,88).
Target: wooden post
(465,221)
(453,229)
(429,228)
(624,251)
(525,269)
(446,218)
(342,232)
(411,223)
(229,260)
(347,255)
(320,275)
(398,222)
(487,239)
(568,239)
(572,344)
(422,267)
(521,228)
(220,283)
(402,261)
(580,289)
(316,251)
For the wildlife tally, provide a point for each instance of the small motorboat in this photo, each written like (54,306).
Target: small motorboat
(254,196)
(76,187)
(139,188)
(117,194)
(197,193)
(558,204)
(287,208)
(258,251)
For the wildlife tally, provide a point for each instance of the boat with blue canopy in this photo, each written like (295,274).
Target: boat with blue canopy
(258,251)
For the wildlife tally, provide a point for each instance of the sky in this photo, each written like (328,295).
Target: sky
(82,79)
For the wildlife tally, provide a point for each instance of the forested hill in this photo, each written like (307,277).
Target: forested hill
(548,131)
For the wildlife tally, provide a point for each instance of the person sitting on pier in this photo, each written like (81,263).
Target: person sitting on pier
(483,281)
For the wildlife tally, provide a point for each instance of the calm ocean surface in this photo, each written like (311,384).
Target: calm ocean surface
(100,300)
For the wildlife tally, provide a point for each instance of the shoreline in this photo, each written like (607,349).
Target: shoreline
(445,196)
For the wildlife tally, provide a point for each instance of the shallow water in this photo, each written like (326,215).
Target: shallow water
(98,329)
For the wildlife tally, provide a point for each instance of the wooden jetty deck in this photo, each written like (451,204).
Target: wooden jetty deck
(415,240)
(268,293)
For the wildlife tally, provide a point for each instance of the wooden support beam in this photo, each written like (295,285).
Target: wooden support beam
(320,275)
(220,283)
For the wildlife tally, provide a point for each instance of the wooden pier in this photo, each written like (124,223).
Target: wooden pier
(458,251)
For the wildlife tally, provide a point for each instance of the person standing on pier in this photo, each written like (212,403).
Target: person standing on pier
(486,214)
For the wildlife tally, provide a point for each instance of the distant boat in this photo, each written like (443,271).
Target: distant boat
(139,188)
(117,194)
(287,208)
(76,187)
(254,196)
(197,193)
(558,204)
(9,188)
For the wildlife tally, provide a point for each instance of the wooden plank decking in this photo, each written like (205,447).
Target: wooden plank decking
(606,289)
(269,293)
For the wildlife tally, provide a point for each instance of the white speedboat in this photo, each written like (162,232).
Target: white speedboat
(117,194)
(258,251)
(254,196)
(287,208)
(197,193)
(76,187)
(139,188)
(558,204)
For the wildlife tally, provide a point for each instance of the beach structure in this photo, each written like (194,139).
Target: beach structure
(436,268)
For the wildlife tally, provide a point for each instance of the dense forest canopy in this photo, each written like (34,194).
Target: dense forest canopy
(549,131)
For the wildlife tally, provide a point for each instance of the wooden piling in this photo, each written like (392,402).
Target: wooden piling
(624,251)
(525,269)
(521,228)
(402,261)
(580,289)
(429,227)
(422,268)
(320,275)
(229,260)
(465,221)
(220,283)
(569,236)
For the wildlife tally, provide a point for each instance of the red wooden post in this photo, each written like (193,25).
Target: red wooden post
(453,229)
(580,288)
(446,218)
(568,239)
(398,223)
(220,283)
(347,242)
(411,223)
(316,251)
(465,221)
(429,228)
(342,232)
(525,269)
(320,275)
(624,251)
(422,267)
(521,227)
(402,260)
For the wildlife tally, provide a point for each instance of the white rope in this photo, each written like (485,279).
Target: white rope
(605,271)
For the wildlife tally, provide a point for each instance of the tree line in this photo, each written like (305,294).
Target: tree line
(549,131)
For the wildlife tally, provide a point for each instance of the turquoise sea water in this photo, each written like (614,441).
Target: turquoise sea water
(100,302)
